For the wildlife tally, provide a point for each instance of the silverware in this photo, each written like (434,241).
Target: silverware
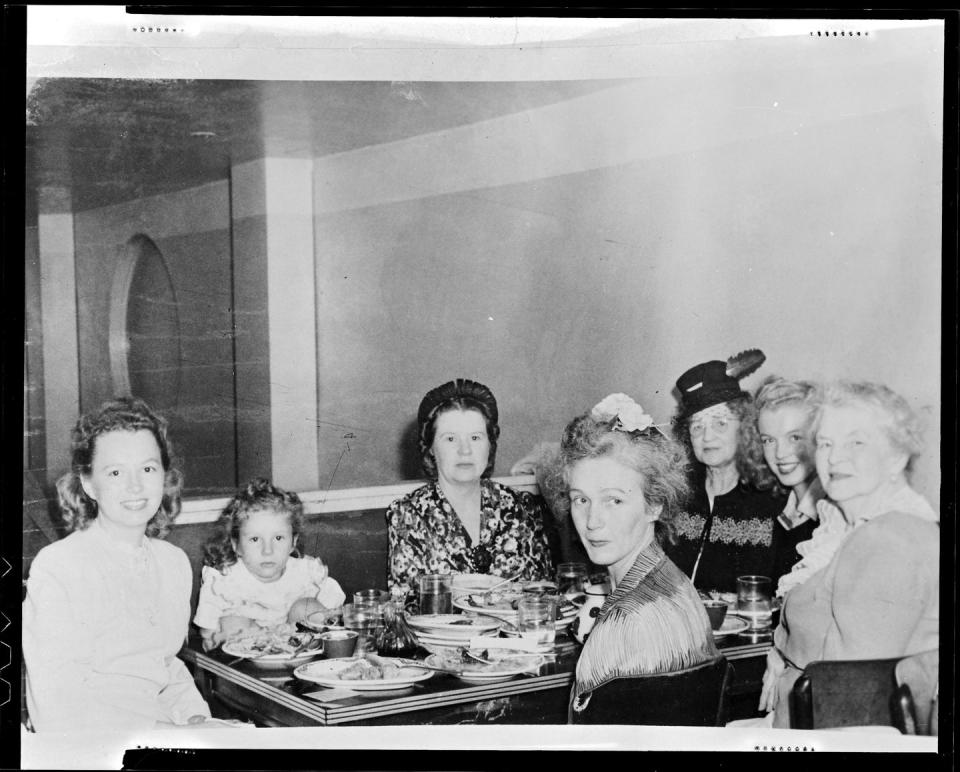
(501,583)
(425,666)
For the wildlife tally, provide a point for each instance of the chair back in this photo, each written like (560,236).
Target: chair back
(917,678)
(692,697)
(837,693)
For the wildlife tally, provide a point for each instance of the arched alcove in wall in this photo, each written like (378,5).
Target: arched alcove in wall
(145,346)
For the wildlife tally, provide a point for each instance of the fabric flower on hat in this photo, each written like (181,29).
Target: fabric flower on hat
(629,415)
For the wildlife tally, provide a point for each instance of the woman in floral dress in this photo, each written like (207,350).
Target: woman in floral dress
(463,522)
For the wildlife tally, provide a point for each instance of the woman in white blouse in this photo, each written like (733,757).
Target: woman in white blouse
(107,607)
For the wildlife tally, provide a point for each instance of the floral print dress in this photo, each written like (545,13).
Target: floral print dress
(427,537)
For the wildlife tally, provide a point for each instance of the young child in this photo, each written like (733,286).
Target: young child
(251,580)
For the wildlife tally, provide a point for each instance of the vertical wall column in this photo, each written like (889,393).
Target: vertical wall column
(58,301)
(275,313)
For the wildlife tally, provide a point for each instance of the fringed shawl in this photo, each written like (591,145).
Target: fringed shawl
(652,623)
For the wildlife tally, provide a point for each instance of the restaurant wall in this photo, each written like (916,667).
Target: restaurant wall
(192,231)
(819,244)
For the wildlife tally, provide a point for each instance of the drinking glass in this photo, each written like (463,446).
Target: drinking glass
(753,600)
(371,596)
(537,589)
(366,619)
(571,578)
(537,618)
(436,594)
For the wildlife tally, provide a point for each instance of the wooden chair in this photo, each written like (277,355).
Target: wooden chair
(917,694)
(692,697)
(838,693)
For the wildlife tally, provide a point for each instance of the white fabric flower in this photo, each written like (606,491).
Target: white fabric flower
(630,416)
(611,406)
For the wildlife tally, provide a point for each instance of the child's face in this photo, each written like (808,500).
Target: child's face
(266,540)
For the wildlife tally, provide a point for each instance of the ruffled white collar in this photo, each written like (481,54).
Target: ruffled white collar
(834,528)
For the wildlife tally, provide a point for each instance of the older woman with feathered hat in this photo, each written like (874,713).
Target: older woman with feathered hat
(461,521)
(728,527)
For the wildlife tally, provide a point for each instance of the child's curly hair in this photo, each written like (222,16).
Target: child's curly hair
(257,496)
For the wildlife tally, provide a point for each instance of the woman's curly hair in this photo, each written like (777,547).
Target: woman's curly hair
(751,465)
(123,414)
(660,460)
(257,496)
(900,422)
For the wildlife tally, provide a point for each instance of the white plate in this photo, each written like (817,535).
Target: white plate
(443,640)
(508,614)
(731,624)
(454,625)
(325,673)
(474,582)
(237,648)
(478,673)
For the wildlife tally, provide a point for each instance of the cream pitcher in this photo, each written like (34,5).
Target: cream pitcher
(596,594)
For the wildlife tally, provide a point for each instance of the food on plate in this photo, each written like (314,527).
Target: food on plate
(278,640)
(505,599)
(372,668)
(364,670)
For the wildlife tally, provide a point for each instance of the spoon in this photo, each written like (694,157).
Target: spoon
(503,582)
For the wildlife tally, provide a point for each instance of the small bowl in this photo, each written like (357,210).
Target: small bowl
(717,611)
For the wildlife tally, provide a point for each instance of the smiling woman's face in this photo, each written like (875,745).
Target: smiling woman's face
(126,479)
(855,457)
(787,443)
(609,511)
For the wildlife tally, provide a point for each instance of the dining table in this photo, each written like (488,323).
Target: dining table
(276,698)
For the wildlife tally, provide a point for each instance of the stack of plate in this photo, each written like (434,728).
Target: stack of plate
(452,629)
(503,608)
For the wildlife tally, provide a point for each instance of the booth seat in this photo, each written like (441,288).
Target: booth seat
(346,529)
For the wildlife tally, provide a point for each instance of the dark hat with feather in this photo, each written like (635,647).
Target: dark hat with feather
(715,382)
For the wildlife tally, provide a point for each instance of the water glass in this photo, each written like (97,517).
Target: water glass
(436,593)
(371,596)
(537,589)
(537,618)
(753,600)
(366,619)
(571,578)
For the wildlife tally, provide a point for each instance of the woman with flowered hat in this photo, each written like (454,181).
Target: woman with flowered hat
(728,526)
(461,521)
(623,481)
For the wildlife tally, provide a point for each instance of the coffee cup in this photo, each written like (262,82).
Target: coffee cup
(339,643)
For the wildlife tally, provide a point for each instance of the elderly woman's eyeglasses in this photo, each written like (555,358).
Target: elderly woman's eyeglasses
(719,424)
